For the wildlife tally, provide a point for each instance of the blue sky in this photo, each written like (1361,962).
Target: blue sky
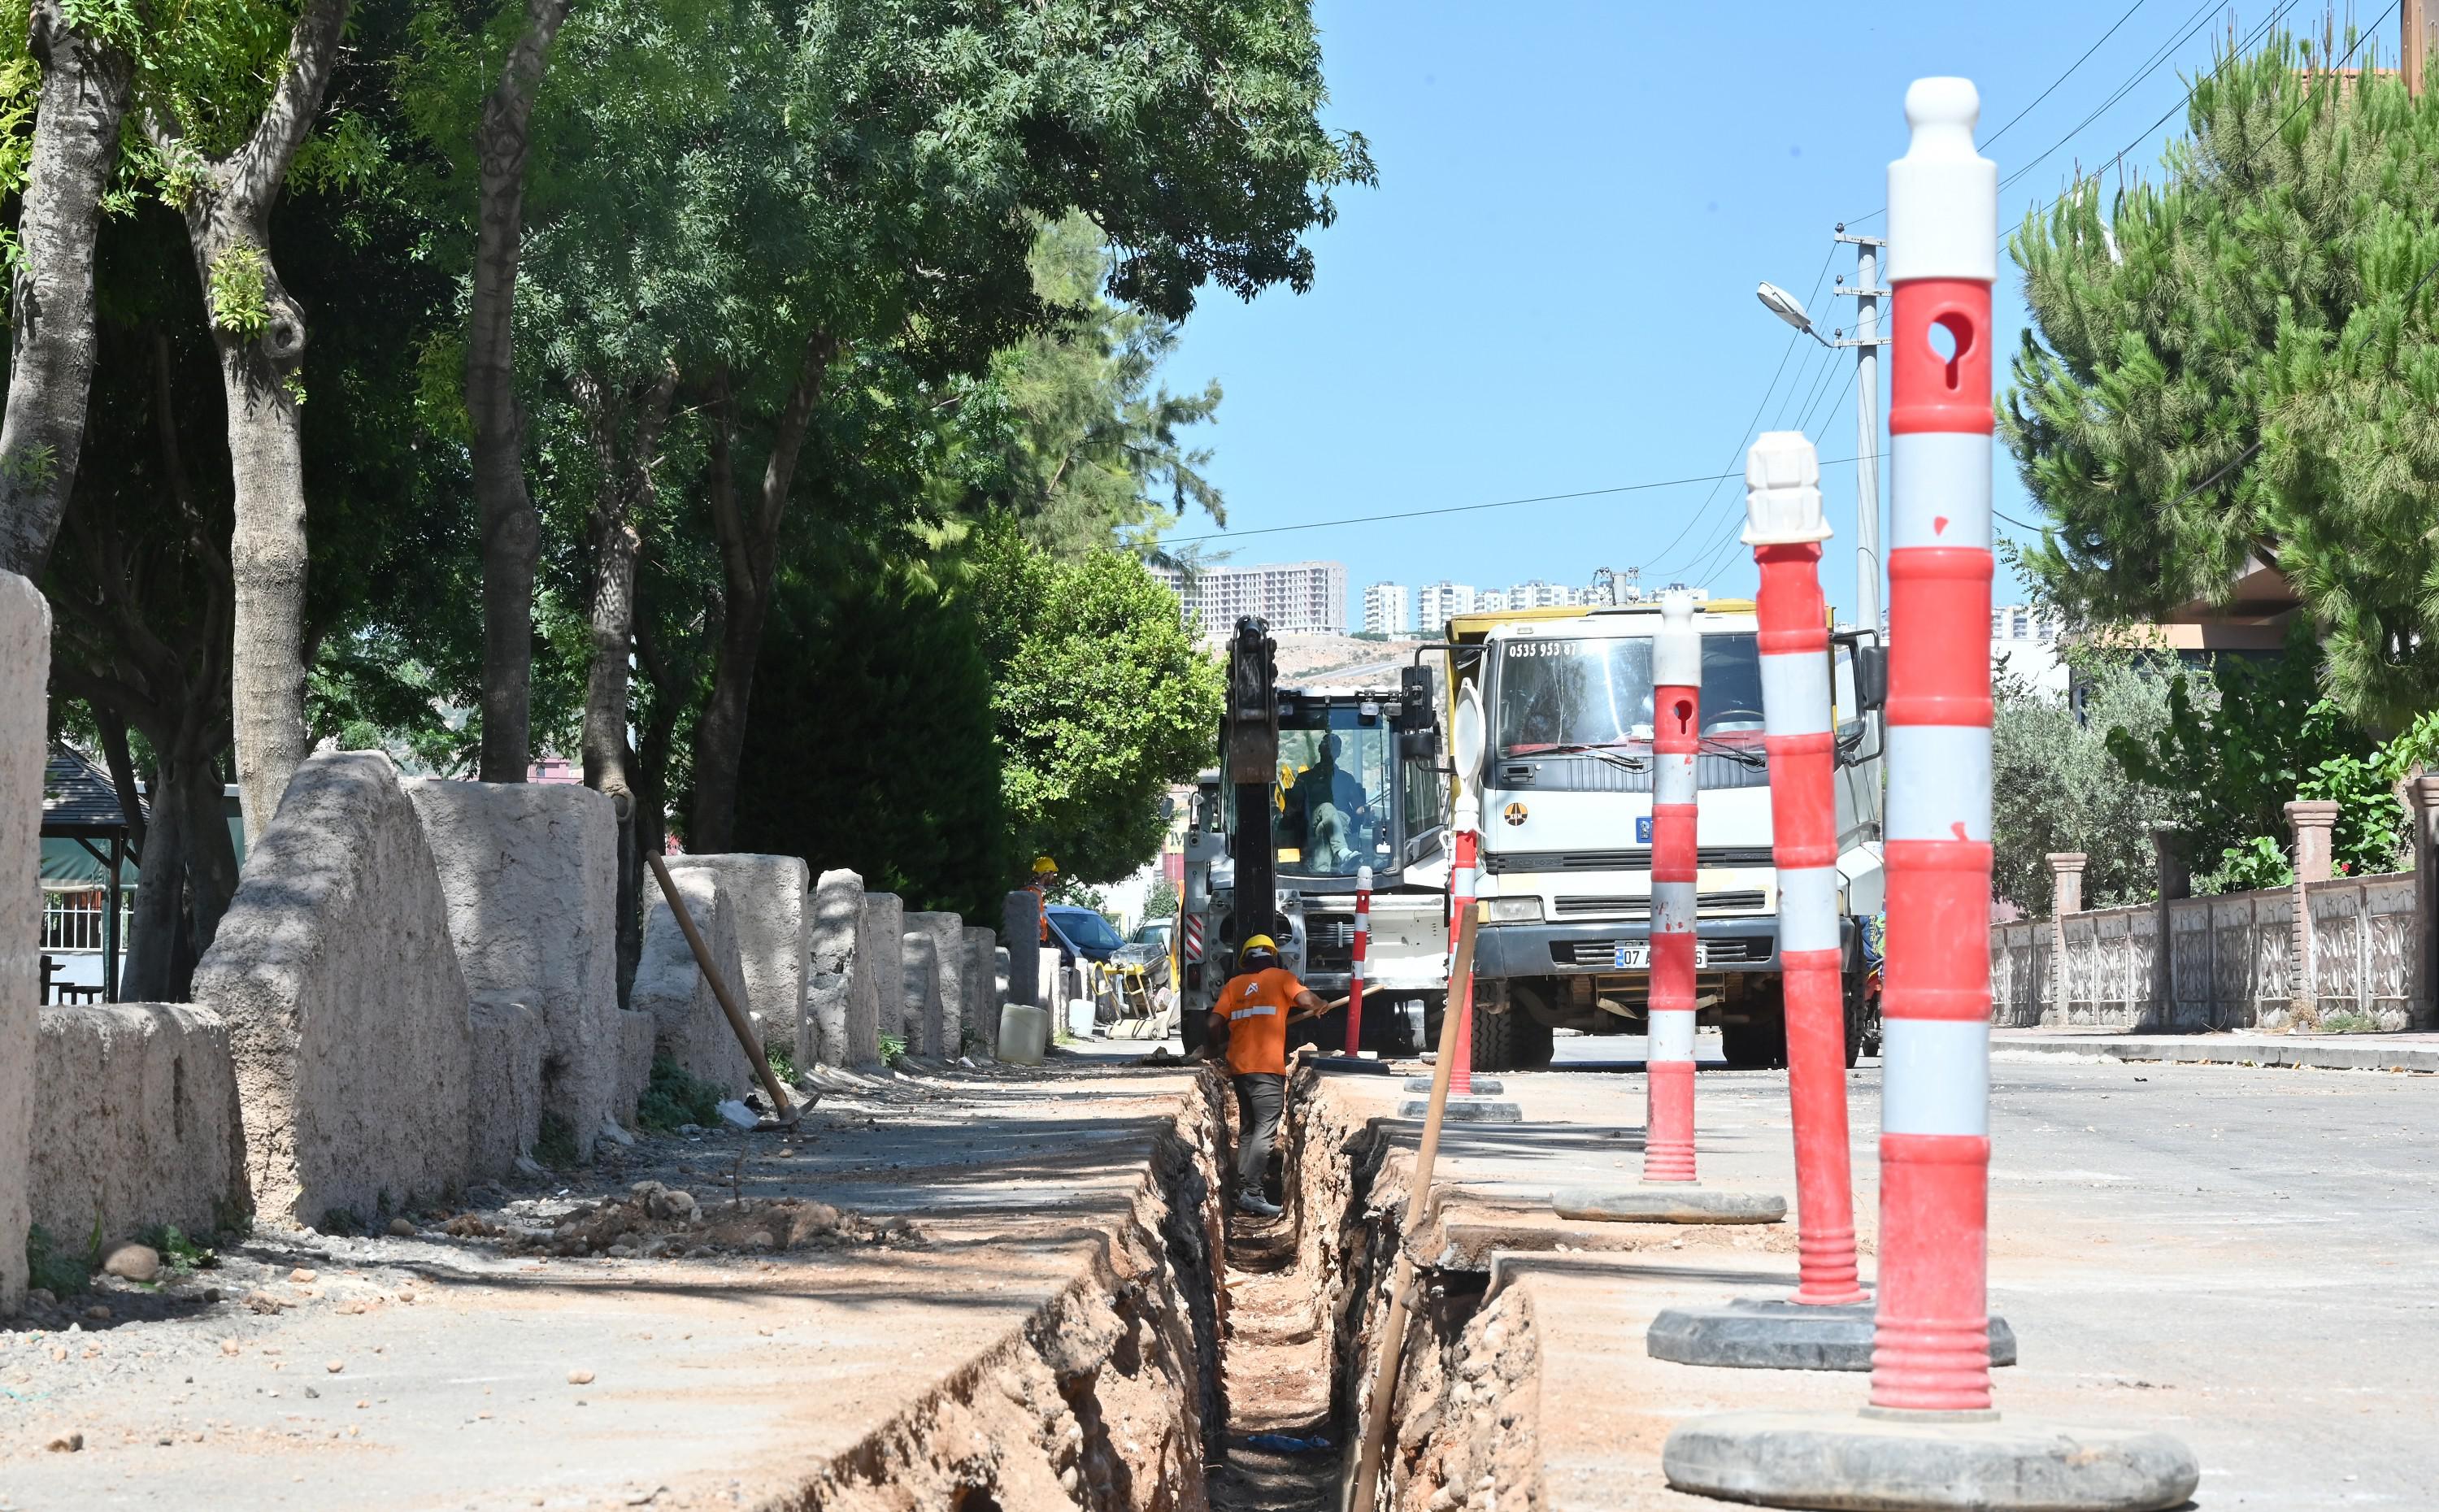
(1552,289)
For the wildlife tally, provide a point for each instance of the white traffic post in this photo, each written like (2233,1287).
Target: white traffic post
(1676,739)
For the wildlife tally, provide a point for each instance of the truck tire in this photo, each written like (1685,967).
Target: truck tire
(1494,1041)
(1759,1043)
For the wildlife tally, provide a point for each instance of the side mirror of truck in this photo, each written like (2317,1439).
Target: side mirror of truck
(1871,675)
(1418,745)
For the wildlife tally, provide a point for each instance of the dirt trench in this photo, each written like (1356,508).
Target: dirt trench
(1143,1387)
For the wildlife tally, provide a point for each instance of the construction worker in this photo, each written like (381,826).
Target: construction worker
(1248,1025)
(1045,877)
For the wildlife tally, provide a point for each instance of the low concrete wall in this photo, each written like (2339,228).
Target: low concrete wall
(138,1110)
(25,678)
(506,1102)
(884,929)
(2231,961)
(530,872)
(768,898)
(947,933)
(979,981)
(842,1024)
(926,1023)
(347,1017)
(690,1029)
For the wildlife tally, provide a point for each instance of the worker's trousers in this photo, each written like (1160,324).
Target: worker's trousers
(1259,1097)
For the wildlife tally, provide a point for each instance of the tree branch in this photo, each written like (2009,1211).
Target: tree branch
(256,171)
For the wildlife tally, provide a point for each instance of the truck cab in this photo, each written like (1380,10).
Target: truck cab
(1564,700)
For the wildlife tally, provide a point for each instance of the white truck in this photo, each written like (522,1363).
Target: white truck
(1561,700)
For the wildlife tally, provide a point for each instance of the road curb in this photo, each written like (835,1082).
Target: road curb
(2317,1054)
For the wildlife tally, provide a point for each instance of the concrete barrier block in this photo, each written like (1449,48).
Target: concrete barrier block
(768,898)
(980,982)
(926,1022)
(347,1017)
(841,1025)
(947,933)
(136,1104)
(669,986)
(510,1042)
(530,870)
(1020,925)
(885,929)
(24,679)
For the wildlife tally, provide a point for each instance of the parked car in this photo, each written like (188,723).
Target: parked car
(1081,933)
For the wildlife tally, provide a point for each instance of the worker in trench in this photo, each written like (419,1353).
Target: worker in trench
(1248,1028)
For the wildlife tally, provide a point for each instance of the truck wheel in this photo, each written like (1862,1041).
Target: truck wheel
(1857,1016)
(1530,1034)
(1756,1045)
(1495,1042)
(1191,1023)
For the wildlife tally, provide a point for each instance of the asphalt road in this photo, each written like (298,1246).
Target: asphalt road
(2248,1258)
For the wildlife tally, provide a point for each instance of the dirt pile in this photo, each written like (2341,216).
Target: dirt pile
(656,1221)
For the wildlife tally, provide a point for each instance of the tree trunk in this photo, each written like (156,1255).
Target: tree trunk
(260,331)
(151,973)
(511,527)
(50,298)
(651,831)
(749,550)
(625,485)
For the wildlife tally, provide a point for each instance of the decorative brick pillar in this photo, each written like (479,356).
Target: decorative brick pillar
(2066,897)
(2175,879)
(2422,793)
(2315,824)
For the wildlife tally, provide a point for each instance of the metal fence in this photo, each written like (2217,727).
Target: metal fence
(73,920)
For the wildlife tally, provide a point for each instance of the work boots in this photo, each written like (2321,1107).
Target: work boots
(1250,1199)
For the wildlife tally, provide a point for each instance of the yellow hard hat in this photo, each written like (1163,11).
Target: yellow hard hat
(1261,942)
(1043,863)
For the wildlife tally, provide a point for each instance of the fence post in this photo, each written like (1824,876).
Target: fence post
(2066,897)
(2174,879)
(2314,822)
(2422,994)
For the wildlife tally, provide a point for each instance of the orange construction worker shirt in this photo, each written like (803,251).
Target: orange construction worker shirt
(1256,1006)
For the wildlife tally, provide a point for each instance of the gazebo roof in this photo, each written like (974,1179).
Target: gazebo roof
(79,802)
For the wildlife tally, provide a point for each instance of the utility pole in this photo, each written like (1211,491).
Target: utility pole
(2415,34)
(1867,342)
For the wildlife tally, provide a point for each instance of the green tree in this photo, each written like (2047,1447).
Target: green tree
(2055,787)
(2241,360)
(872,743)
(1101,697)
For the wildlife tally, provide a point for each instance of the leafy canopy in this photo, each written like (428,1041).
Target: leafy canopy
(2242,360)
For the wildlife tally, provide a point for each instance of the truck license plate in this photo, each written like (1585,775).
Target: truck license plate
(1635,956)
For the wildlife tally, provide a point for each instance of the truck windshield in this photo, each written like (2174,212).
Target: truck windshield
(1557,693)
(1334,809)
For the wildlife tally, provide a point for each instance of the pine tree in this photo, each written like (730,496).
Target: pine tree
(2243,359)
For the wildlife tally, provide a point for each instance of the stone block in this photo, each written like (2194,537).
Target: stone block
(636,1032)
(25,678)
(768,898)
(347,1017)
(691,1030)
(926,1020)
(510,1041)
(135,1104)
(842,1022)
(947,933)
(980,983)
(530,870)
(884,929)
(1021,926)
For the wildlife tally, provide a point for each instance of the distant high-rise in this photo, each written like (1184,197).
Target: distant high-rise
(1437,603)
(1388,609)
(1296,598)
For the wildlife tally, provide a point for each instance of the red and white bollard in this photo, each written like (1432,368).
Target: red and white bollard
(1930,1347)
(1676,735)
(1362,948)
(1784,529)
(1460,994)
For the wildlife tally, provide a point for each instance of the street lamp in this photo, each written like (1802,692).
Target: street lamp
(1790,308)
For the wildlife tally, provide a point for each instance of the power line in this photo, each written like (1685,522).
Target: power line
(2064,77)
(2191,26)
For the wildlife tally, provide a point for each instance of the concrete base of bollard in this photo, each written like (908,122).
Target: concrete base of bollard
(1927,1462)
(1483,1086)
(1755,1333)
(1341,1065)
(1465,1109)
(1670,1202)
